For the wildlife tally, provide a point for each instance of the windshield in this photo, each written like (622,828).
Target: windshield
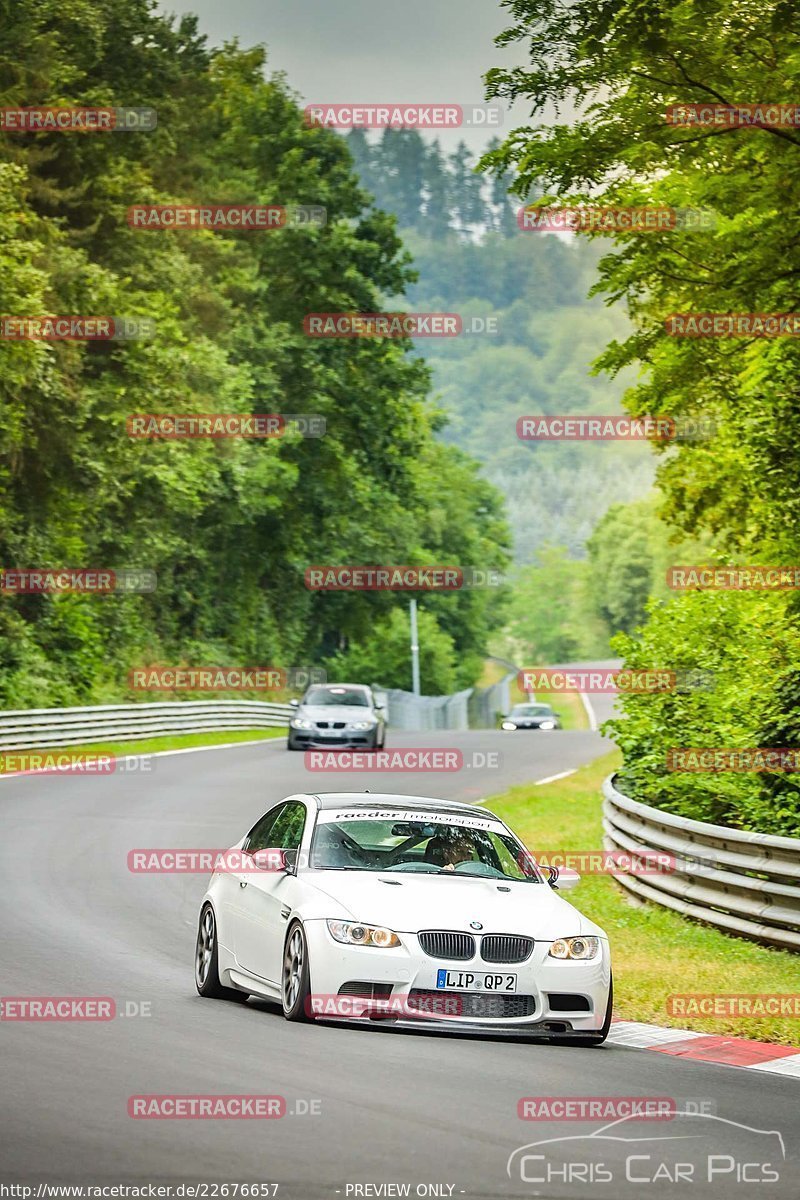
(532,710)
(430,846)
(349,697)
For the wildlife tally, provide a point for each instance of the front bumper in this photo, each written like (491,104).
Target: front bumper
(550,985)
(334,739)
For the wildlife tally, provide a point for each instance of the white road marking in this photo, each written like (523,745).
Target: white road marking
(641,1035)
(789,1065)
(553,778)
(590,713)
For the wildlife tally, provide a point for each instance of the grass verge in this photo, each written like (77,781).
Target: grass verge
(184,741)
(656,952)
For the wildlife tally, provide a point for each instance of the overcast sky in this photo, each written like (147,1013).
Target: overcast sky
(350,51)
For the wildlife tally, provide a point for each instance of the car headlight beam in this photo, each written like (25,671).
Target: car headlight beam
(301,723)
(356,933)
(575,947)
(362,725)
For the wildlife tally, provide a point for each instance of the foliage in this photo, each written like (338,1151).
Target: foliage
(228,526)
(534,287)
(615,70)
(384,657)
(551,616)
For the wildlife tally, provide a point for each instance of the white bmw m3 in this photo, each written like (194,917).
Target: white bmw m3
(394,908)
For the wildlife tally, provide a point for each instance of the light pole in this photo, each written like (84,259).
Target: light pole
(414,648)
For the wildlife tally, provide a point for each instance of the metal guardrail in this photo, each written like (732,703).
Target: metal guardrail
(489,703)
(406,711)
(33,727)
(473,708)
(41,727)
(745,883)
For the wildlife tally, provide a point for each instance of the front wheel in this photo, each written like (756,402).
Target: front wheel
(206,958)
(296,976)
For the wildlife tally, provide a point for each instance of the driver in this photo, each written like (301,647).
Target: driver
(461,849)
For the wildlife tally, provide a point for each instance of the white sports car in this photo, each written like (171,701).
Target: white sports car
(423,912)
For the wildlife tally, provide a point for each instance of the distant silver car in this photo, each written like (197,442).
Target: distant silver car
(344,715)
(531,716)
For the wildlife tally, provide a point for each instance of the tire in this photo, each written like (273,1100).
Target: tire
(290,745)
(206,970)
(597,1039)
(295,975)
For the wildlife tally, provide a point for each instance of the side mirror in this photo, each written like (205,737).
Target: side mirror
(567,879)
(294,703)
(272,860)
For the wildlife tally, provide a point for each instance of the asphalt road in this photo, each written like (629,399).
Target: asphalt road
(386,1106)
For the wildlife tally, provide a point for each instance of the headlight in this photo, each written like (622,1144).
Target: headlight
(508,725)
(353,933)
(547,724)
(575,947)
(361,725)
(301,723)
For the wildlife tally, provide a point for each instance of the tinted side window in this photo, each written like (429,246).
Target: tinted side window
(259,837)
(287,832)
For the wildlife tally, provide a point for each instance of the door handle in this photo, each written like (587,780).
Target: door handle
(242,883)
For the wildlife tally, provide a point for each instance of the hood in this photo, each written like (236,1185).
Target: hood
(335,712)
(407,903)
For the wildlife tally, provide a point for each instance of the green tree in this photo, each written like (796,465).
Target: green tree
(385,657)
(618,69)
(229,526)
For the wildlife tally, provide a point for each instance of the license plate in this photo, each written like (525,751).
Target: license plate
(475,981)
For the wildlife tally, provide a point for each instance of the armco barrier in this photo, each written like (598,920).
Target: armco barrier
(22,728)
(745,883)
(406,711)
(473,708)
